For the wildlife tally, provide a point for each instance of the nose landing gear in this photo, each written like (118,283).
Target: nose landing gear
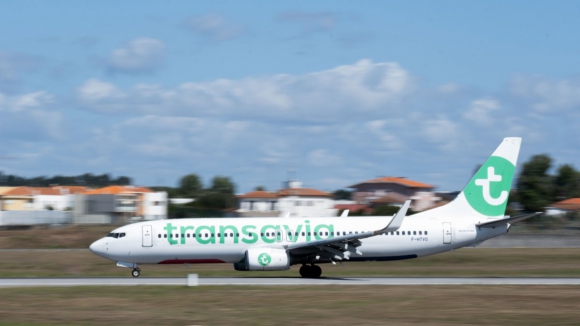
(310,271)
(136,272)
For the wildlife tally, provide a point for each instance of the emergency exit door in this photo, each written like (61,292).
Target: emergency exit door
(147,237)
(446,233)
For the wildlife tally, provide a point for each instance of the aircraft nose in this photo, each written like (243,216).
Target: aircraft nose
(98,247)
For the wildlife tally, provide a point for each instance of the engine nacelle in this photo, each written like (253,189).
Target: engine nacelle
(267,259)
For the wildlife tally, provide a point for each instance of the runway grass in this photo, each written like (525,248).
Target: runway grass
(525,262)
(292,305)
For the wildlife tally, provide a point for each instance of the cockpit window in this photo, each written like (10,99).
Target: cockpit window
(116,235)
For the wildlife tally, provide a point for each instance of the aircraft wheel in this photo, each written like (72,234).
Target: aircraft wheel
(136,272)
(315,271)
(305,271)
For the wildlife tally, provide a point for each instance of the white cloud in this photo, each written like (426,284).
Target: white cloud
(355,91)
(137,56)
(213,27)
(443,132)
(547,95)
(323,157)
(480,111)
(27,117)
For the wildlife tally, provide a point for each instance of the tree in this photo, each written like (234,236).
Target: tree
(342,194)
(220,195)
(190,186)
(260,188)
(567,183)
(535,186)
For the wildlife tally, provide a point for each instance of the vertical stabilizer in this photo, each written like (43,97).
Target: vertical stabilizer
(486,194)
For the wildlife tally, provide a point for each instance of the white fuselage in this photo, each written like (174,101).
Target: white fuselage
(225,240)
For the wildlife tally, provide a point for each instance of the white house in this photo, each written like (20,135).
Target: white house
(294,200)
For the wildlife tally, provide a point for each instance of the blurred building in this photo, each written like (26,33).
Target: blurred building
(120,204)
(76,204)
(394,191)
(571,205)
(293,200)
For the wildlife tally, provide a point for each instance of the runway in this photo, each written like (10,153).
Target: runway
(193,280)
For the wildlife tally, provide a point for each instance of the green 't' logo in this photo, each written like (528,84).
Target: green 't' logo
(488,190)
(264,259)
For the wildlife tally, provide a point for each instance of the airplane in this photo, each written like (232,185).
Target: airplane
(275,244)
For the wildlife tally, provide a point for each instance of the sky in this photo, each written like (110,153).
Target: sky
(330,92)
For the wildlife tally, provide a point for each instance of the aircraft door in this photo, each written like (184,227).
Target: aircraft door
(147,236)
(446,233)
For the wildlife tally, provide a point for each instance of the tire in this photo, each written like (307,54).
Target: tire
(315,271)
(136,273)
(305,271)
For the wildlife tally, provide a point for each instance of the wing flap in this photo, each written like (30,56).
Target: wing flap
(511,220)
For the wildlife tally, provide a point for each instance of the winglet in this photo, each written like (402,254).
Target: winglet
(344,213)
(397,220)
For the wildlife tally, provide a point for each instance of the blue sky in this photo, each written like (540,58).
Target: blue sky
(339,91)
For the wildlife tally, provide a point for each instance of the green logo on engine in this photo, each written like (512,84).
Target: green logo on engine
(488,190)
(264,259)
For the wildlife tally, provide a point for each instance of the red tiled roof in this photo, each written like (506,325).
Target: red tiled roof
(572,204)
(113,190)
(306,192)
(71,189)
(402,181)
(30,191)
(258,194)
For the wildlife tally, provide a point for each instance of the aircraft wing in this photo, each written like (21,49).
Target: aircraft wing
(341,247)
(511,220)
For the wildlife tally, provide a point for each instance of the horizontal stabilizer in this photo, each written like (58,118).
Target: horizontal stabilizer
(511,220)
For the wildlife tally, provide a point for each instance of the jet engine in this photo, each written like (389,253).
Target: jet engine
(267,259)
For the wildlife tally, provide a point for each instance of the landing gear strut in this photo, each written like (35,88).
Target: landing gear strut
(310,271)
(136,272)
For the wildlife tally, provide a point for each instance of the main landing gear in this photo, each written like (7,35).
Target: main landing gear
(136,272)
(310,271)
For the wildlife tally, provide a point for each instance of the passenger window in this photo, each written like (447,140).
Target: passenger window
(225,235)
(165,235)
(206,235)
(231,235)
(356,232)
(237,234)
(414,232)
(219,235)
(193,235)
(212,235)
(397,232)
(325,233)
(425,232)
(171,235)
(183,235)
(302,233)
(159,235)
(420,232)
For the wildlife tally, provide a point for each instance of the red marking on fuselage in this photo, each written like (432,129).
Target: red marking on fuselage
(191,261)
